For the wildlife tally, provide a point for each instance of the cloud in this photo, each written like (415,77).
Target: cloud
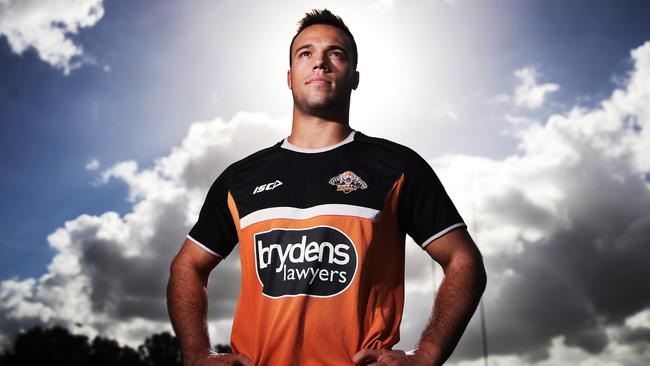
(564,226)
(615,354)
(46,26)
(92,165)
(445,112)
(528,93)
(109,273)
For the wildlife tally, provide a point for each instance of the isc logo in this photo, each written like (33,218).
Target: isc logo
(267,187)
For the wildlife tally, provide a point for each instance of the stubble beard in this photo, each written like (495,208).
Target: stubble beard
(321,106)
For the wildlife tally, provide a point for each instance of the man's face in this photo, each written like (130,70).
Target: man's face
(322,75)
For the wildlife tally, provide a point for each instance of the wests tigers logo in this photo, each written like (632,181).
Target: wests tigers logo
(347,182)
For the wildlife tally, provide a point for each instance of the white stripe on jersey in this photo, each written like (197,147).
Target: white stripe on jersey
(441,233)
(307,213)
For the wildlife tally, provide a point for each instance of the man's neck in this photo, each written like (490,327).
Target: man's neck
(311,132)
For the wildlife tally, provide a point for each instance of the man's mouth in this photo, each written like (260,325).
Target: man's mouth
(318,80)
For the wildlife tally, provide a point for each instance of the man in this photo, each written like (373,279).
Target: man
(321,219)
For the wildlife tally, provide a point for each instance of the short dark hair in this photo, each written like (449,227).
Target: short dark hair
(325,17)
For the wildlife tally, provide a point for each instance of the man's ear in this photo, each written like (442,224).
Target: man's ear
(289,78)
(355,80)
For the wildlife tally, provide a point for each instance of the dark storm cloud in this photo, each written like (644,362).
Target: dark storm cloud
(637,335)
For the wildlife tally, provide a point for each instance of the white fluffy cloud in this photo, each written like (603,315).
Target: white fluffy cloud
(93,164)
(46,26)
(109,272)
(528,93)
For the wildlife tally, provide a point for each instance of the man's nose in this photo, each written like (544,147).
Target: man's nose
(320,62)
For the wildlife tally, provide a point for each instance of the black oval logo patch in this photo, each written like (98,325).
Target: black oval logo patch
(319,261)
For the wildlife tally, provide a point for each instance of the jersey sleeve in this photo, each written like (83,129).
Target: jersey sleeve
(425,211)
(215,229)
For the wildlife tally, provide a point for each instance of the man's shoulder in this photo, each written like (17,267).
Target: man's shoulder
(255,158)
(374,144)
(261,154)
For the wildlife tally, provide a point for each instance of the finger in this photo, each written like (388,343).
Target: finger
(243,360)
(392,356)
(365,356)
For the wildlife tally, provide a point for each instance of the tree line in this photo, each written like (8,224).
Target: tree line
(57,346)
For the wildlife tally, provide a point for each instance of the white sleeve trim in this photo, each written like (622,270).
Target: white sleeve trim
(204,247)
(441,233)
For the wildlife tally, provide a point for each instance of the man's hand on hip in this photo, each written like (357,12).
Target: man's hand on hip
(387,357)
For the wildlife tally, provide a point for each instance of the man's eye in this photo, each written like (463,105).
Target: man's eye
(338,54)
(303,53)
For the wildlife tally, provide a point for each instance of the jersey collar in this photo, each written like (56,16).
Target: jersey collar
(289,146)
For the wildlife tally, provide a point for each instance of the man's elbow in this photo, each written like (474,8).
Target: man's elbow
(190,265)
(480,275)
(469,265)
(482,278)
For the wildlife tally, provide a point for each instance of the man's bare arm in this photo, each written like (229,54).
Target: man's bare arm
(457,299)
(458,295)
(187,303)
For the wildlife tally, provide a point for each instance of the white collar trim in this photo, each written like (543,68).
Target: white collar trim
(289,146)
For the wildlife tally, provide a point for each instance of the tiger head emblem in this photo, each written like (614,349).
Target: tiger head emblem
(347,182)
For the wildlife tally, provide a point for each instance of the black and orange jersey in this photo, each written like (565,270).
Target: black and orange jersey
(321,235)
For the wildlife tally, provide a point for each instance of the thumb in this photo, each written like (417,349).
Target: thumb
(365,356)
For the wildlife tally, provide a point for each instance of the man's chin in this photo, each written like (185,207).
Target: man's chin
(321,107)
(318,105)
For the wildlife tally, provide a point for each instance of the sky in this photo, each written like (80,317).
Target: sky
(116,116)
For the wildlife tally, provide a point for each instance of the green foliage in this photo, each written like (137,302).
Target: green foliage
(54,346)
(57,346)
(161,350)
